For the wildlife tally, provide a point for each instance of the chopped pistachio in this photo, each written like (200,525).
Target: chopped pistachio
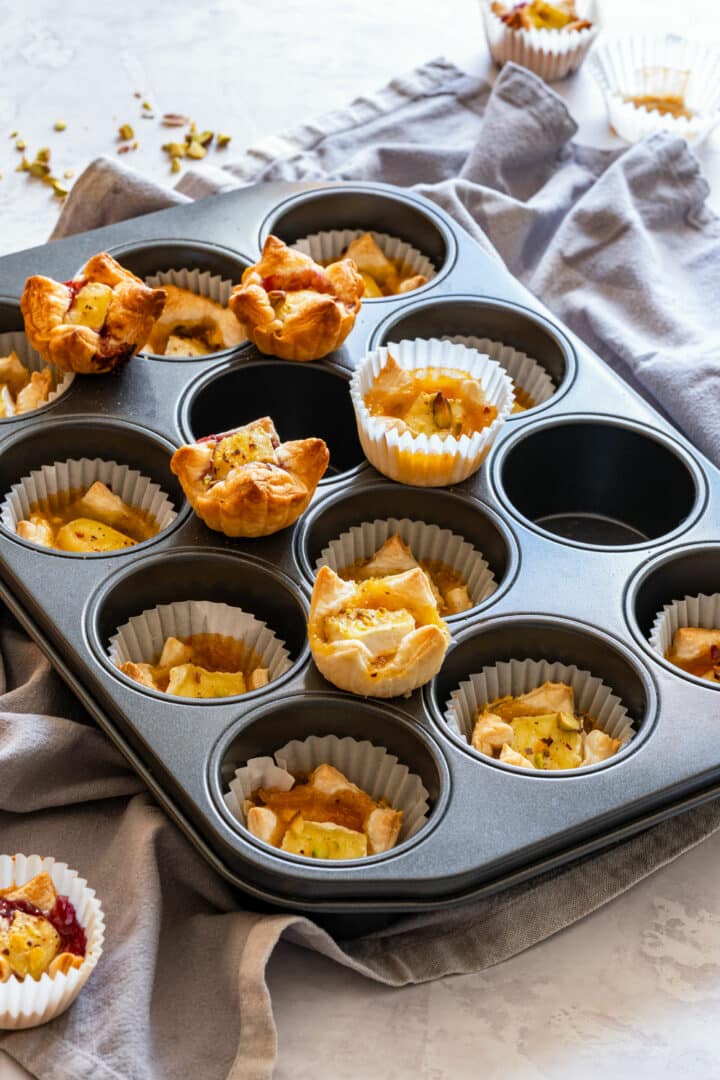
(20,144)
(539,761)
(175,165)
(568,722)
(125,131)
(147,106)
(38,168)
(174,120)
(43,154)
(60,190)
(124,148)
(175,149)
(69,173)
(442,413)
(24,165)
(137,94)
(205,137)
(59,125)
(195,150)
(13,134)
(193,127)
(222,140)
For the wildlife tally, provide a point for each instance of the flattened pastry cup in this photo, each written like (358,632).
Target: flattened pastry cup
(429,460)
(702,611)
(329,246)
(202,283)
(17,342)
(27,1003)
(140,640)
(372,768)
(527,374)
(425,541)
(78,474)
(551,54)
(516,677)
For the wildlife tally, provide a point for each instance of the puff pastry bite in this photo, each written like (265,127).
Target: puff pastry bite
(94,323)
(90,521)
(201,666)
(39,931)
(192,325)
(381,276)
(396,557)
(541,730)
(323,817)
(379,638)
(697,651)
(246,482)
(541,15)
(291,307)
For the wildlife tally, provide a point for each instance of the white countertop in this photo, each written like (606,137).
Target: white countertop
(634,989)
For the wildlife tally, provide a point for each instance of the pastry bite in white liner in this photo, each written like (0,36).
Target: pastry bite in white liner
(192,325)
(696,649)
(201,666)
(39,932)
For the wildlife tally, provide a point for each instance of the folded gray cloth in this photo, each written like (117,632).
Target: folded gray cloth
(620,246)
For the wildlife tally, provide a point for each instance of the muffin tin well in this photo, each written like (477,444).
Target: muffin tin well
(590,511)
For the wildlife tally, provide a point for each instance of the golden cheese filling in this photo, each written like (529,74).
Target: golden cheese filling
(431,401)
(381,276)
(255,442)
(94,520)
(696,650)
(541,15)
(201,666)
(21,390)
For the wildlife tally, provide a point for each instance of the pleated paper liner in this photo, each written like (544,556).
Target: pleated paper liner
(702,611)
(141,639)
(327,247)
(551,54)
(656,65)
(27,1003)
(78,474)
(372,768)
(515,677)
(202,283)
(422,460)
(425,541)
(16,341)
(525,372)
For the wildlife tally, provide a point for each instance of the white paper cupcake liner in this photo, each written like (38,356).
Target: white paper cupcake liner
(657,64)
(702,610)
(425,541)
(16,341)
(372,768)
(31,1002)
(515,677)
(141,639)
(422,460)
(522,369)
(78,474)
(551,54)
(327,247)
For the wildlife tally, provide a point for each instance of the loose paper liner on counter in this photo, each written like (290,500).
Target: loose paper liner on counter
(515,677)
(372,768)
(16,341)
(702,610)
(27,1003)
(422,460)
(425,541)
(201,282)
(327,247)
(78,474)
(638,65)
(141,639)
(522,369)
(551,54)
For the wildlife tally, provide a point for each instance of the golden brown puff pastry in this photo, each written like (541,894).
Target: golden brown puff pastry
(91,324)
(192,325)
(246,482)
(292,307)
(379,638)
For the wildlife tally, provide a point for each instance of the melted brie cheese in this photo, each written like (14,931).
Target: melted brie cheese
(380,630)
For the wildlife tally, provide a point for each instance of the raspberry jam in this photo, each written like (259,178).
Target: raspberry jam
(62,918)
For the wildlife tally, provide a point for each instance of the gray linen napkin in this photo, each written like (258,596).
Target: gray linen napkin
(620,246)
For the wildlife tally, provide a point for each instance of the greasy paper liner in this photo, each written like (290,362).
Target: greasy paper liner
(133,488)
(516,677)
(16,341)
(327,247)
(373,768)
(658,64)
(141,639)
(425,541)
(702,610)
(201,282)
(31,1002)
(551,54)
(422,460)
(522,369)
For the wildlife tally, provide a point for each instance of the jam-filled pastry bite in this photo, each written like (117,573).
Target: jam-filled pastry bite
(291,307)
(95,322)
(379,638)
(39,931)
(21,390)
(201,666)
(381,276)
(541,15)
(541,730)
(192,325)
(91,521)
(395,557)
(246,482)
(324,817)
(696,650)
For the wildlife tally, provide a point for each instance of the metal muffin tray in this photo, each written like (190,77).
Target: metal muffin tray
(591,510)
